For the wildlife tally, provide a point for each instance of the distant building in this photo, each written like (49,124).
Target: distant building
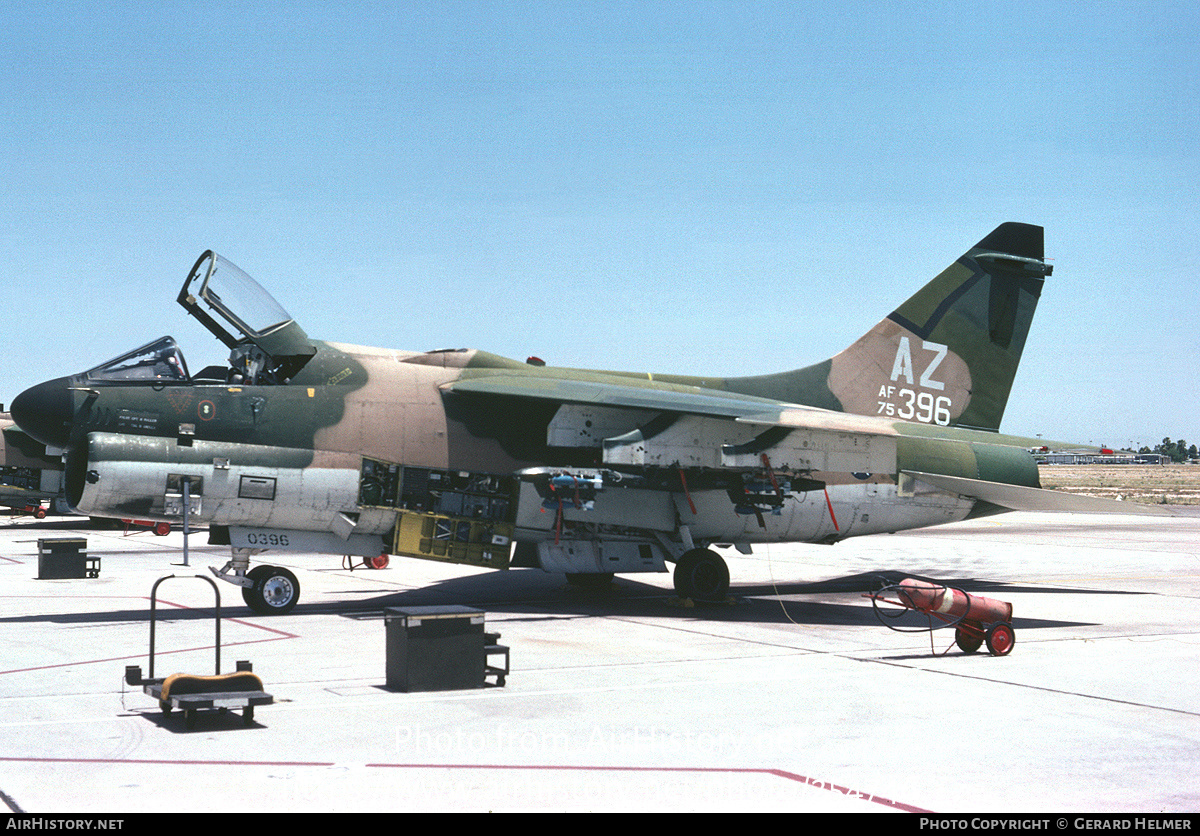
(1108,457)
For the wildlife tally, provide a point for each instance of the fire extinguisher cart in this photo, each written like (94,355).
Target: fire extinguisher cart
(976,620)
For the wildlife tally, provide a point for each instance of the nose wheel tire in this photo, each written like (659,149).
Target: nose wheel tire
(701,575)
(275,590)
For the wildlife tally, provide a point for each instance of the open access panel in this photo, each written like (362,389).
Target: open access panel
(451,515)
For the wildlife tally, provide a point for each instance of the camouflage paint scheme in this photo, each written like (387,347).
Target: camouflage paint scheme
(457,455)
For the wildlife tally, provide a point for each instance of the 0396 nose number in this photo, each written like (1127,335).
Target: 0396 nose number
(264,539)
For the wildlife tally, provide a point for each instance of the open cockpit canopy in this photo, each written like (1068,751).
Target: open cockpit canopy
(266,344)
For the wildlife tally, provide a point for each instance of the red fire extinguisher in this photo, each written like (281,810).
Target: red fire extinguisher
(976,619)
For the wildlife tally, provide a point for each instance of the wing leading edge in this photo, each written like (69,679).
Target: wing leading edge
(669,397)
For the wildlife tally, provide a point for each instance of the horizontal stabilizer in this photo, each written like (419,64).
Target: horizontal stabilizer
(1019,498)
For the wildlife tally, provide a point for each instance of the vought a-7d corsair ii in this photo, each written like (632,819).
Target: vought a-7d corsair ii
(467,457)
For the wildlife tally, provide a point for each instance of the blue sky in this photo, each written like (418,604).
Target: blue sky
(716,188)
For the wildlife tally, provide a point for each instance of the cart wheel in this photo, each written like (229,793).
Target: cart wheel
(40,513)
(1000,639)
(968,641)
(162,529)
(379,561)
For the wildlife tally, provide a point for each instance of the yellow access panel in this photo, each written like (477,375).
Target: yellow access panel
(453,539)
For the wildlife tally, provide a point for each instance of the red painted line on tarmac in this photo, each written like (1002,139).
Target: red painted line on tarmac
(874,799)
(140,655)
(279,635)
(778,773)
(165,762)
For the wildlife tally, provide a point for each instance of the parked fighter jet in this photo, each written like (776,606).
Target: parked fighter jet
(467,457)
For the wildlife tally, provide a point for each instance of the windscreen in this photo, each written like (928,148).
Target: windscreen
(160,360)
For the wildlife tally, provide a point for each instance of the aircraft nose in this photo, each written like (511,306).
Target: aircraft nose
(45,411)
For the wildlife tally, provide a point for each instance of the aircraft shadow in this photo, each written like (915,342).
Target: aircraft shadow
(872,581)
(541,595)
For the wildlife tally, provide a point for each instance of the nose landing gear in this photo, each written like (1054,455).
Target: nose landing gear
(273,590)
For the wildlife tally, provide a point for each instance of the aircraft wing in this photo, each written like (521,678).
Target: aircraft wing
(646,393)
(1018,498)
(636,393)
(632,394)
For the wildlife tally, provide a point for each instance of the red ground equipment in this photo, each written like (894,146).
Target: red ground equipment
(975,619)
(379,561)
(160,529)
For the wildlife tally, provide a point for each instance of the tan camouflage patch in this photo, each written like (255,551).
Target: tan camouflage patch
(890,372)
(396,415)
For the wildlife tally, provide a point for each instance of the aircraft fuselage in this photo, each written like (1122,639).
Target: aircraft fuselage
(458,455)
(291,457)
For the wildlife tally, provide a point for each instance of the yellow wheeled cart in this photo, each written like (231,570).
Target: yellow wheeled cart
(190,693)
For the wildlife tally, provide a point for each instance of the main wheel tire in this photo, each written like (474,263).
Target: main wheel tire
(968,641)
(1000,639)
(701,574)
(275,590)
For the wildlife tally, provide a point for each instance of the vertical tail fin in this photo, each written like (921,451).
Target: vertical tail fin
(946,356)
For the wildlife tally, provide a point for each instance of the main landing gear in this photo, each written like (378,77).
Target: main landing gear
(701,575)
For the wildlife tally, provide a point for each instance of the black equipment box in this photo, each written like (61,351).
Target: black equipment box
(65,557)
(435,648)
